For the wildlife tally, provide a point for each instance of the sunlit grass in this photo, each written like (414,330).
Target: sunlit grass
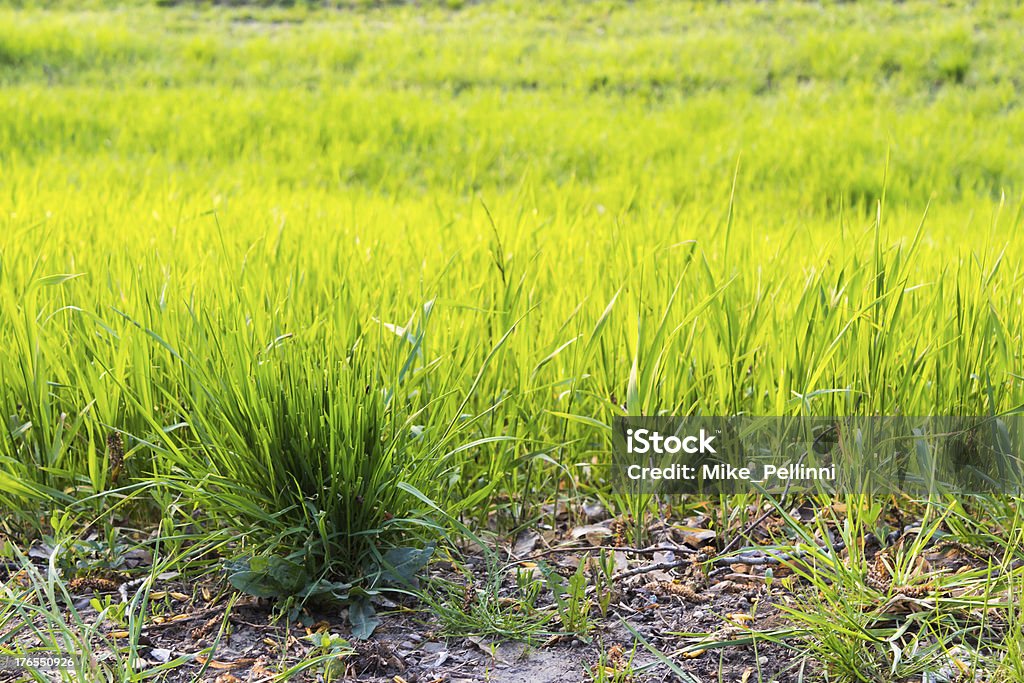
(296,257)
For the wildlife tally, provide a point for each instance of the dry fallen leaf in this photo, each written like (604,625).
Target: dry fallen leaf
(594,533)
(260,670)
(695,537)
(217,664)
(525,544)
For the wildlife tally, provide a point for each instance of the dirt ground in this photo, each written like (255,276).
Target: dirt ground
(252,642)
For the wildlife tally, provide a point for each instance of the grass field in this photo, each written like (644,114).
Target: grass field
(346,280)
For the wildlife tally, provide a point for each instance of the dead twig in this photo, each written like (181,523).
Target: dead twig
(657,566)
(200,614)
(752,558)
(649,550)
(757,522)
(759,557)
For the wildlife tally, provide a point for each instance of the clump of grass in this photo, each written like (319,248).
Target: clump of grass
(301,457)
(854,629)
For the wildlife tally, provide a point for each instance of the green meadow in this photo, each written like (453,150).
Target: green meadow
(363,278)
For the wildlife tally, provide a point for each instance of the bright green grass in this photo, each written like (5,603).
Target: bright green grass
(252,200)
